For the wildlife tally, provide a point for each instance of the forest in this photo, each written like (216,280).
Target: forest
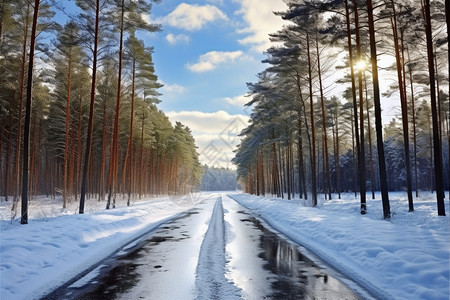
(305,138)
(78,107)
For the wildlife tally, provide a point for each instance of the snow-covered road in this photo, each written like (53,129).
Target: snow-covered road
(216,250)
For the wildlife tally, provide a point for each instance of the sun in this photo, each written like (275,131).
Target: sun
(360,65)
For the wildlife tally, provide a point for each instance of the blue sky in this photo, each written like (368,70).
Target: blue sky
(206,53)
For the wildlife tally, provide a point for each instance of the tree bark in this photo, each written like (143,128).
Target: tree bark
(16,174)
(66,139)
(8,150)
(313,136)
(369,137)
(26,132)
(361,158)
(438,169)
(91,111)
(114,156)
(301,160)
(413,109)
(324,126)
(378,121)
(404,107)
(352,75)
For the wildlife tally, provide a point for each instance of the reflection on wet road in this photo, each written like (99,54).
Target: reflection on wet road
(267,266)
(260,263)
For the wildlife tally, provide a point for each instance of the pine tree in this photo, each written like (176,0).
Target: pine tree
(88,8)
(378,122)
(438,170)
(26,134)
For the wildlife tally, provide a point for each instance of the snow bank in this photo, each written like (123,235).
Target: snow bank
(40,256)
(404,258)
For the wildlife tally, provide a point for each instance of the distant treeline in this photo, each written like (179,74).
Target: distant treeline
(219,179)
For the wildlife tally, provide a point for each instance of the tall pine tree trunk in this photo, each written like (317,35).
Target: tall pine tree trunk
(26,129)
(324,126)
(438,169)
(404,107)
(362,154)
(91,111)
(16,173)
(8,150)
(114,156)
(313,136)
(369,140)
(378,121)
(447,20)
(301,159)
(101,192)
(66,137)
(352,75)
(413,109)
(130,187)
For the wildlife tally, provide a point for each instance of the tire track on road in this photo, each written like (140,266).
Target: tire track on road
(210,280)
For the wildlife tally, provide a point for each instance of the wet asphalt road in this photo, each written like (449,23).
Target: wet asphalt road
(257,263)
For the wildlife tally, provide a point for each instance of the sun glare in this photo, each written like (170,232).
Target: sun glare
(361,65)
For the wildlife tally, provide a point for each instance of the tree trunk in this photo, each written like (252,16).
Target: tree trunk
(301,159)
(66,139)
(129,152)
(313,136)
(114,156)
(8,150)
(26,132)
(361,158)
(324,126)
(301,165)
(130,188)
(378,121)
(369,137)
(141,157)
(352,75)
(101,192)
(413,109)
(16,174)
(78,172)
(438,169)
(404,107)
(91,111)
(447,20)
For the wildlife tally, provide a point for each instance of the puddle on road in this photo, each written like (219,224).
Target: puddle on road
(121,272)
(292,274)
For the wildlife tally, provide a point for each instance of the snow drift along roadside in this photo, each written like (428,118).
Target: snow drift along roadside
(40,256)
(392,261)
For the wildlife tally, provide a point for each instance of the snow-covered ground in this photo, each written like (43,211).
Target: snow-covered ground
(404,258)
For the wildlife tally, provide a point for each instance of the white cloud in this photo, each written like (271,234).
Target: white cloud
(176,39)
(210,60)
(209,123)
(193,17)
(240,100)
(216,134)
(258,14)
(172,88)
